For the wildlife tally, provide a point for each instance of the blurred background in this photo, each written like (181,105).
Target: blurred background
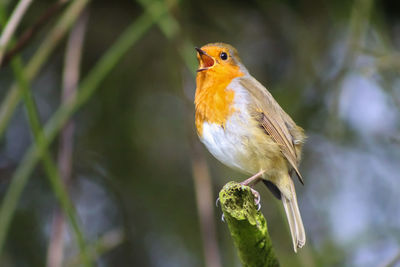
(143,186)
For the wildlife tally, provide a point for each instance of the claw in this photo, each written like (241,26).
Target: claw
(216,202)
(223,217)
(256,196)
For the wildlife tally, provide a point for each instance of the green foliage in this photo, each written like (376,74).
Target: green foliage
(38,150)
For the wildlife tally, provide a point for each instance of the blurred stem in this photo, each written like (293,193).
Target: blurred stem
(205,203)
(48,163)
(86,89)
(393,261)
(39,58)
(55,249)
(169,26)
(70,82)
(201,176)
(247,226)
(102,245)
(12,24)
(358,26)
(30,32)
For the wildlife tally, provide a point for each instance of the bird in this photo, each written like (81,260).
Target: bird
(245,128)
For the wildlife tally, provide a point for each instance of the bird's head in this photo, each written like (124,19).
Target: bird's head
(219,58)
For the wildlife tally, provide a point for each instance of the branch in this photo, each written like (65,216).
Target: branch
(12,24)
(248,226)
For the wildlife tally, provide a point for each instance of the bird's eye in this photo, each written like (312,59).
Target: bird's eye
(223,56)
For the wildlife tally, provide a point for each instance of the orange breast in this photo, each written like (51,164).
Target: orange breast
(214,100)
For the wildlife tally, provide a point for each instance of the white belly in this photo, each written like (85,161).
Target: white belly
(233,144)
(227,146)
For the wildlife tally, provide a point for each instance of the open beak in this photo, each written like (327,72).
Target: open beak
(205,60)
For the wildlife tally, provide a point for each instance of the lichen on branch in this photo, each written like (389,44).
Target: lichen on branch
(247,226)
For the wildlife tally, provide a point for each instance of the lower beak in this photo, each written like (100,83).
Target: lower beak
(205,60)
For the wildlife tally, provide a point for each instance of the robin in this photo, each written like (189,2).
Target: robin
(243,126)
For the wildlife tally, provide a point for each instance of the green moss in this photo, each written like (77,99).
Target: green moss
(247,226)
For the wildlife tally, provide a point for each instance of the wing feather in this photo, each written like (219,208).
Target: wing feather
(275,121)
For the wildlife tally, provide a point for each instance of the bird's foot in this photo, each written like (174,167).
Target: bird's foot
(257,198)
(251,182)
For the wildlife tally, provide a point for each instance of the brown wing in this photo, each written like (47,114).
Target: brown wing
(278,134)
(275,121)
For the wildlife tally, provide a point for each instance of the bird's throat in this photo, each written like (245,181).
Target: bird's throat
(214,98)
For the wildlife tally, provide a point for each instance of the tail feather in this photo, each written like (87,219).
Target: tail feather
(294,219)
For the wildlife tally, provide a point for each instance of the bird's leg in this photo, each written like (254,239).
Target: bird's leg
(253,180)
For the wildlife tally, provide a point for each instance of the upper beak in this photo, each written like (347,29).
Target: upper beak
(201,52)
(206,61)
